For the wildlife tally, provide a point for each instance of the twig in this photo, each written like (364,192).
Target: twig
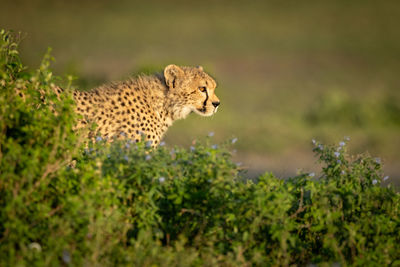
(301,207)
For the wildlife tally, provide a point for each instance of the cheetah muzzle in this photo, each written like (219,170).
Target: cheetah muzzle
(148,105)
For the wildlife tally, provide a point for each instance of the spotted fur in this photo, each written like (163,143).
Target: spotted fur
(148,105)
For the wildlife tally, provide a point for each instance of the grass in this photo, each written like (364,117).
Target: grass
(65,200)
(288,72)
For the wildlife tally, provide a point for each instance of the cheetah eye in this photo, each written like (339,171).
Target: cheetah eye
(203,89)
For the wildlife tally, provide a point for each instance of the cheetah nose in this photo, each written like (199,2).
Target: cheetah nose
(216,104)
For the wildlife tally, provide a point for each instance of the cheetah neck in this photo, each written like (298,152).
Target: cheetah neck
(163,102)
(179,112)
(167,101)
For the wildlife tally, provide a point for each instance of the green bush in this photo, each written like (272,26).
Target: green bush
(339,108)
(64,202)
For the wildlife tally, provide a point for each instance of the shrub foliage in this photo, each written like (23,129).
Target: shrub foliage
(66,202)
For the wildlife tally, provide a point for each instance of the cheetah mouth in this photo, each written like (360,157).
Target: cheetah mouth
(202,110)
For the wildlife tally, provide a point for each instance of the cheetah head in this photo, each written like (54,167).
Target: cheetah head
(190,89)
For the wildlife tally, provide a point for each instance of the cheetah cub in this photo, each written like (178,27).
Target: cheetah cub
(148,105)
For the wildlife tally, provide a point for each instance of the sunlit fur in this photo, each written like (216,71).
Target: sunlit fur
(147,105)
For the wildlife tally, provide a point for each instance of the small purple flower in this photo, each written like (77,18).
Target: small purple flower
(126,158)
(337,154)
(338,161)
(347,138)
(377,160)
(66,256)
(127,145)
(321,147)
(161,179)
(192,148)
(385,178)
(342,144)
(374,182)
(234,140)
(214,146)
(313,141)
(98,138)
(311,174)
(343,172)
(162,143)
(149,143)
(148,157)
(211,134)
(35,246)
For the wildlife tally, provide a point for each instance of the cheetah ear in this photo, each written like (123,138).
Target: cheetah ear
(171,74)
(200,68)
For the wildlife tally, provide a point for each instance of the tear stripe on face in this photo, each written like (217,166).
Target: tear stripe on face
(205,102)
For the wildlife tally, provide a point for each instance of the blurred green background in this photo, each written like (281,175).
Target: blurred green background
(288,71)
